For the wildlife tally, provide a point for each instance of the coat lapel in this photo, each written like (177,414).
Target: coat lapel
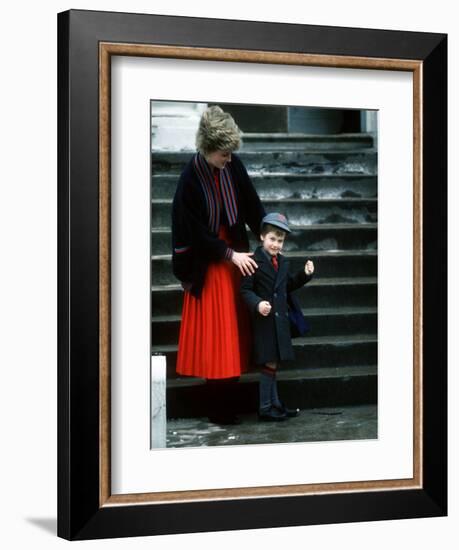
(283,268)
(264,264)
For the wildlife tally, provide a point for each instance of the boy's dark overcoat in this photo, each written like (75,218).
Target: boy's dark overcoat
(271,339)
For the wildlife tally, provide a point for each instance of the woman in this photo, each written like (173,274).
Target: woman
(214,200)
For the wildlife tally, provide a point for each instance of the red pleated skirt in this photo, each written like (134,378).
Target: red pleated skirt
(215,333)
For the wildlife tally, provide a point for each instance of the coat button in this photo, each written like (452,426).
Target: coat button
(276,314)
(286,314)
(275,295)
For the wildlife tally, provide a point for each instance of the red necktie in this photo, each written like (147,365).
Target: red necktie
(275,264)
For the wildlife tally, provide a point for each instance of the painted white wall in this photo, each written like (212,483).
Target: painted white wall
(28,275)
(174,125)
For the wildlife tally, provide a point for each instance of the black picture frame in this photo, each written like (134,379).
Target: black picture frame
(82,514)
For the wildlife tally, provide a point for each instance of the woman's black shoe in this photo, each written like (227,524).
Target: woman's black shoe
(225,419)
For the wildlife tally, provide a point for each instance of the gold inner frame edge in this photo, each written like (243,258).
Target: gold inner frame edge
(106,50)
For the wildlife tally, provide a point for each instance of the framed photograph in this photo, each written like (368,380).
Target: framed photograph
(252,275)
(319,167)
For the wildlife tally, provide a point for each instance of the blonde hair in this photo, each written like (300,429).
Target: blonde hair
(217,132)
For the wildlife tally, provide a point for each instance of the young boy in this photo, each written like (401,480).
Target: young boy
(265,292)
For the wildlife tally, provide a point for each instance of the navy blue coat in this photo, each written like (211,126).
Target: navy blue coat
(194,244)
(271,334)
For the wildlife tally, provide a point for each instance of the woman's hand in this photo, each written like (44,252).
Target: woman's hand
(244,262)
(309,267)
(264,308)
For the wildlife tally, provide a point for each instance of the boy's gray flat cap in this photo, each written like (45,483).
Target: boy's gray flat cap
(276,219)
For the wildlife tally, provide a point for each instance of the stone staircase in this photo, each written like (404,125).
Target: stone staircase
(327,187)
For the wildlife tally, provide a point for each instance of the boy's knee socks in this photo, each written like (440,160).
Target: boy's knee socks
(274,395)
(267,381)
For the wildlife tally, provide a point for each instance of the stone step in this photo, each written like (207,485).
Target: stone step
(304,388)
(310,238)
(298,211)
(323,322)
(355,161)
(320,292)
(311,351)
(348,263)
(305,142)
(284,186)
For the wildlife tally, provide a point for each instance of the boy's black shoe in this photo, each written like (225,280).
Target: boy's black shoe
(290,413)
(272,415)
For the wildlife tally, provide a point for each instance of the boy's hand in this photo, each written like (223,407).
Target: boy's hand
(264,308)
(309,267)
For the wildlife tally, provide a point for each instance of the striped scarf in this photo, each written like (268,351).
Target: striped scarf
(204,172)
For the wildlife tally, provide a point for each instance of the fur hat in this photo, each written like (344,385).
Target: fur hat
(217,132)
